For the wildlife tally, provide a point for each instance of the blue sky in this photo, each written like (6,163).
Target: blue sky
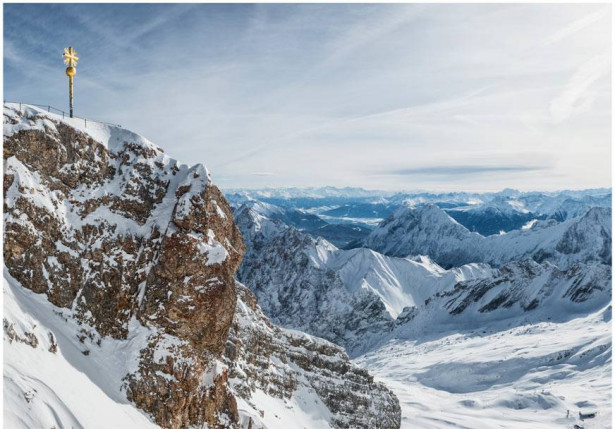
(407,96)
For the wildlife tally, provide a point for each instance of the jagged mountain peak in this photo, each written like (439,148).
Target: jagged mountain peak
(428,230)
(424,216)
(262,208)
(598,215)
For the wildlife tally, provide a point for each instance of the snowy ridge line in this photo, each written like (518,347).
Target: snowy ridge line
(64,114)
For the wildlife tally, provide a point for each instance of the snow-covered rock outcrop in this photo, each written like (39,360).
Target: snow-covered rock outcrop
(119,265)
(522,289)
(273,370)
(105,224)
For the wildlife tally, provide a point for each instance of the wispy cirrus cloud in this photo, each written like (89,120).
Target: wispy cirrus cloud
(336,94)
(578,25)
(463,170)
(264,173)
(578,95)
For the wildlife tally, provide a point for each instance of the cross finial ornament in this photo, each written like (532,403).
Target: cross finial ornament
(70,57)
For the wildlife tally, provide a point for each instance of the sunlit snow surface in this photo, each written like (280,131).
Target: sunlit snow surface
(524,377)
(66,389)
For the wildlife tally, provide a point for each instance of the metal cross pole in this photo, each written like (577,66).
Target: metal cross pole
(70,59)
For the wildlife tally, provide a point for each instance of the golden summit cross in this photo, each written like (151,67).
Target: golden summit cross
(70,59)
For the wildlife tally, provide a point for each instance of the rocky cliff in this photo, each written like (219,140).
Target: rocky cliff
(136,248)
(301,372)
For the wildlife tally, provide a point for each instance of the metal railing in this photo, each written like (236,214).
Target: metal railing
(57,111)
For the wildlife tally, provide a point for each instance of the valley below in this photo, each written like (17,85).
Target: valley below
(533,375)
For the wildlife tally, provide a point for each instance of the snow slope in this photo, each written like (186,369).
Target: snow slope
(514,350)
(45,389)
(398,282)
(524,376)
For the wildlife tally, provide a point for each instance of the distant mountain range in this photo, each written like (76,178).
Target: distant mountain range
(486,214)
(341,234)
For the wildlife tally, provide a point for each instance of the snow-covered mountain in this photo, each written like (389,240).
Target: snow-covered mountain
(399,282)
(347,296)
(314,193)
(120,299)
(308,284)
(297,218)
(429,230)
(513,292)
(286,269)
(526,344)
(567,204)
(489,219)
(340,234)
(511,212)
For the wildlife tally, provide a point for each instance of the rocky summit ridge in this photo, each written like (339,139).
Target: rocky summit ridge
(138,249)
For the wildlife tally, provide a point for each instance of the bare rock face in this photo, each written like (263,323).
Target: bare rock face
(291,366)
(104,223)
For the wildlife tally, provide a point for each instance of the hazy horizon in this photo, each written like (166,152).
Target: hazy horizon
(409,191)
